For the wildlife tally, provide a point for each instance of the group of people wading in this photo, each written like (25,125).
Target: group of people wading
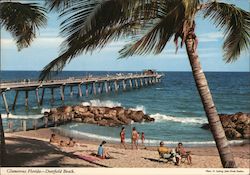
(135,137)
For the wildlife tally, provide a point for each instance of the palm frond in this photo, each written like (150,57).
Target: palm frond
(59,5)
(236,25)
(170,22)
(22,21)
(92,25)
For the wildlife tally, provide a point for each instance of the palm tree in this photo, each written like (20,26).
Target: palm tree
(89,25)
(22,20)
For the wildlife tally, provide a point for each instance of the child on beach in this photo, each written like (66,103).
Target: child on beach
(122,136)
(134,138)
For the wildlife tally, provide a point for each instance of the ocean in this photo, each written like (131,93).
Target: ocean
(174,103)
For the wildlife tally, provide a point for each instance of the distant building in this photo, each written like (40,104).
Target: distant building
(149,72)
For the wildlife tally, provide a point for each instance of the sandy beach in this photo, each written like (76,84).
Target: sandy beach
(32,148)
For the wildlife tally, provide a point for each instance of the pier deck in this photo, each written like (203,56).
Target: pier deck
(103,82)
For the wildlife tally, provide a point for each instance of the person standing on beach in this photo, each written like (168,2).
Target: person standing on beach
(142,138)
(134,137)
(122,136)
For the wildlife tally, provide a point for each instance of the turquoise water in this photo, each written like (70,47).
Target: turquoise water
(174,103)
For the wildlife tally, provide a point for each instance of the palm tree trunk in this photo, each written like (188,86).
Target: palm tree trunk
(2,144)
(217,130)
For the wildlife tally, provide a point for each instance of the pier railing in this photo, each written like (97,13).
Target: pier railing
(93,85)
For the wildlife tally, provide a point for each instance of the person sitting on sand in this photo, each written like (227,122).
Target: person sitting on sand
(183,153)
(71,143)
(134,137)
(63,144)
(166,153)
(122,136)
(102,152)
(53,139)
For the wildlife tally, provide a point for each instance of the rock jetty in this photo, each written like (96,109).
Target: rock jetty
(103,116)
(236,126)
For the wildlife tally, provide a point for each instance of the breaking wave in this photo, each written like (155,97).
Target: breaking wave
(12,116)
(106,103)
(193,120)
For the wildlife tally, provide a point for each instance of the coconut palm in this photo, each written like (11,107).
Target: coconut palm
(89,25)
(22,20)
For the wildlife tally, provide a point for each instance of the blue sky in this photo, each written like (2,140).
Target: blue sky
(45,48)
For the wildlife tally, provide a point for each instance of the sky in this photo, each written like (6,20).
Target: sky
(45,48)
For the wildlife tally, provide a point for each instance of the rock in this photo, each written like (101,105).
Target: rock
(102,110)
(77,119)
(89,120)
(102,122)
(205,126)
(246,132)
(232,133)
(98,117)
(136,116)
(81,109)
(109,117)
(103,116)
(147,118)
(111,112)
(67,109)
(228,124)
(94,110)
(87,115)
(53,110)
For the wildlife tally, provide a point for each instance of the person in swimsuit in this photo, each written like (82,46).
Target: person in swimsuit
(142,138)
(122,136)
(102,152)
(183,153)
(134,137)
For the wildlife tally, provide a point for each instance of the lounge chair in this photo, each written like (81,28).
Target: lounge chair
(185,157)
(168,157)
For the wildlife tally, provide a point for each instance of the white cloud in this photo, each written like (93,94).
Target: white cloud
(210,37)
(43,42)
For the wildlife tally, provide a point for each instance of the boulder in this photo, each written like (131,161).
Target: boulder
(109,117)
(98,117)
(81,109)
(102,122)
(232,133)
(147,118)
(77,119)
(136,116)
(94,110)
(102,110)
(89,120)
(67,109)
(87,115)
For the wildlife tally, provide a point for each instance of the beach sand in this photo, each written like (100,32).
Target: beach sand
(32,148)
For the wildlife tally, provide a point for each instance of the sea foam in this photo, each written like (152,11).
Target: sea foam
(13,116)
(106,103)
(193,120)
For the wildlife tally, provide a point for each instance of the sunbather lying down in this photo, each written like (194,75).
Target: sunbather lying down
(63,143)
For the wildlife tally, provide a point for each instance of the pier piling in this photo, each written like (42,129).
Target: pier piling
(15,99)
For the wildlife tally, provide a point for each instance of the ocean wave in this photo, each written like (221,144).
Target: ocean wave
(139,108)
(195,120)
(45,110)
(13,116)
(149,142)
(106,103)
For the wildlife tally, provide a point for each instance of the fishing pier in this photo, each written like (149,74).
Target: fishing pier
(92,85)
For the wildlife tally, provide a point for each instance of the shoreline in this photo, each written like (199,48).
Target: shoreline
(203,157)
